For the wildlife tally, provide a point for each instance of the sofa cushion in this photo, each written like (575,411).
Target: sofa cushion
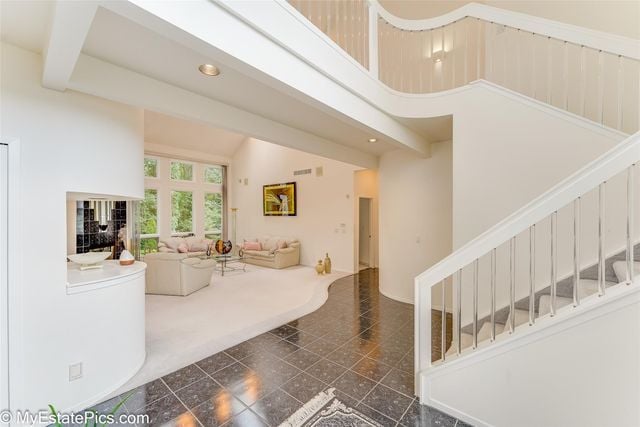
(200,246)
(259,254)
(172,243)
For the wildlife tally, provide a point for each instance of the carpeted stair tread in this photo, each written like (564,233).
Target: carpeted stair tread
(620,268)
(522,316)
(545,304)
(483,335)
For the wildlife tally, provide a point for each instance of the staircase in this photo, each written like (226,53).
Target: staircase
(542,272)
(587,286)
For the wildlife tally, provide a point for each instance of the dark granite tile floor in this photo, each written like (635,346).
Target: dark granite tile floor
(359,342)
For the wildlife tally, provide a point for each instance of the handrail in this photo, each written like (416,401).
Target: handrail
(592,176)
(581,36)
(622,156)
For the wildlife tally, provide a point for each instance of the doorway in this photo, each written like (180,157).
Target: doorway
(365,250)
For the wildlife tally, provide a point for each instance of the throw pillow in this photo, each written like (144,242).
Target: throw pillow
(252,246)
(183,248)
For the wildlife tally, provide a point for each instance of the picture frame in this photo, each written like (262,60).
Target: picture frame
(280,199)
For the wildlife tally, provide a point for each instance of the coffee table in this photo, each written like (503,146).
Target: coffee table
(223,261)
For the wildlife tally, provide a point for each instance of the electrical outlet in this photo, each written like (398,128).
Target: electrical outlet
(319,171)
(75,371)
(246,181)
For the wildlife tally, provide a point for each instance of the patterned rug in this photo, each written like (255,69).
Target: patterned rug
(325,410)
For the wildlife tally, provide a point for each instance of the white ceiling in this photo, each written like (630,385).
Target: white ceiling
(117,40)
(25,23)
(174,132)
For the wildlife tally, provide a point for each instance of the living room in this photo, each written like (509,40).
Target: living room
(207,187)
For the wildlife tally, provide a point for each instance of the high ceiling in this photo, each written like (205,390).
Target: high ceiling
(145,52)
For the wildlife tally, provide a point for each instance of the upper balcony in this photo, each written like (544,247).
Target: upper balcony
(326,77)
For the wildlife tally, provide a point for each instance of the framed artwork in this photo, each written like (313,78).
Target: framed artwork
(279,199)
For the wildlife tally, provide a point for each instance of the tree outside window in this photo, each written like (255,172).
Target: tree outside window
(181,211)
(213,215)
(181,171)
(213,174)
(149,221)
(150,168)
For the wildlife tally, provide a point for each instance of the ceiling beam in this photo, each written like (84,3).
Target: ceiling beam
(70,24)
(99,78)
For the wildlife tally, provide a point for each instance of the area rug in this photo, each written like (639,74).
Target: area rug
(325,410)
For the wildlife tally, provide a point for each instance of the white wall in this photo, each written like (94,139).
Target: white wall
(70,142)
(586,375)
(325,220)
(507,152)
(415,216)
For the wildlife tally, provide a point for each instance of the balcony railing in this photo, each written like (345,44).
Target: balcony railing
(576,70)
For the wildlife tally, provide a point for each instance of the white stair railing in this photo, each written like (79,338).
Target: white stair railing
(589,73)
(552,234)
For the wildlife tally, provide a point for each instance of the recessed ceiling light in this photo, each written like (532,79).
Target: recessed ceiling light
(373,140)
(209,70)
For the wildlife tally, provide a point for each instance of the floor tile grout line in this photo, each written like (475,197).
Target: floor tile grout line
(224,387)
(373,388)
(182,403)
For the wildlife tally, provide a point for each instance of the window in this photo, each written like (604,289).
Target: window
(213,174)
(213,216)
(181,171)
(149,221)
(181,212)
(150,168)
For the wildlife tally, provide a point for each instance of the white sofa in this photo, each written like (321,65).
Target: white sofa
(272,254)
(177,273)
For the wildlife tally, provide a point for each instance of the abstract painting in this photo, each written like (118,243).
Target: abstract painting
(279,199)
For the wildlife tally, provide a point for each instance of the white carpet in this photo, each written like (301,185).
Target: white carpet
(232,309)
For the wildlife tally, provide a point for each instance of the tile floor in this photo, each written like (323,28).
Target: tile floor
(359,342)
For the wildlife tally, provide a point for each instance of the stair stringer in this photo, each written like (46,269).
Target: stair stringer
(559,372)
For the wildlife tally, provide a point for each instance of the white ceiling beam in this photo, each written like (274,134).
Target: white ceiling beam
(105,80)
(70,24)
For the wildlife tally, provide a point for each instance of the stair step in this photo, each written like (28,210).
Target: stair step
(483,335)
(522,316)
(545,304)
(588,287)
(620,268)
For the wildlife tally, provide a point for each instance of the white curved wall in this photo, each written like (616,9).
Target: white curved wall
(70,142)
(506,150)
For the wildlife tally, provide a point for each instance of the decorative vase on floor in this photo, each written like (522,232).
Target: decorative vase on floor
(327,264)
(319,267)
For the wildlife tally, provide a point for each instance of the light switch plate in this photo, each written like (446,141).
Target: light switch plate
(75,371)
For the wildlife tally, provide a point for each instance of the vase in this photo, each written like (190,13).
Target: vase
(319,267)
(327,264)
(126,258)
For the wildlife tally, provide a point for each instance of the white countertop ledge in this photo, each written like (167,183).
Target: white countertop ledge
(111,274)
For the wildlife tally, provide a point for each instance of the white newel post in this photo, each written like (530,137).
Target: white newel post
(373,40)
(422,339)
